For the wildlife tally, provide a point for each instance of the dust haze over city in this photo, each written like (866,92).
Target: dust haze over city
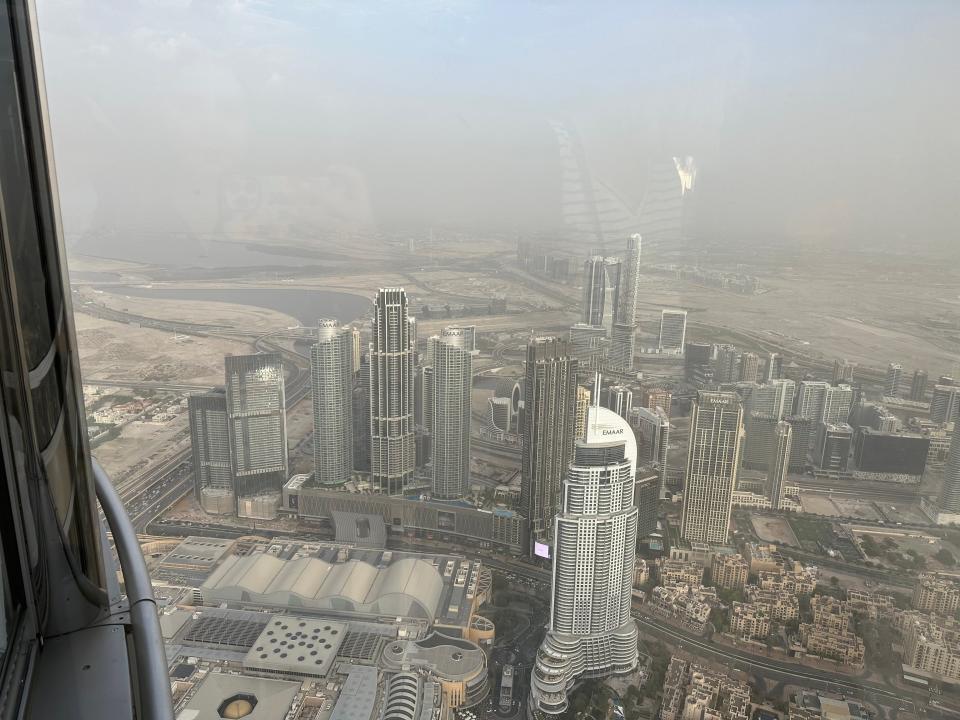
(570,359)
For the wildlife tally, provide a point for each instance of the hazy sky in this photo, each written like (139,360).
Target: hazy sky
(279,120)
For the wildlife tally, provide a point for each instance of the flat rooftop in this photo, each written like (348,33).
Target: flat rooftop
(220,693)
(296,645)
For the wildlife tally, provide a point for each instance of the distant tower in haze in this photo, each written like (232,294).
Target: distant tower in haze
(594,290)
(945,403)
(772,368)
(257,422)
(452,379)
(550,393)
(891,387)
(624,329)
(673,330)
(749,367)
(210,443)
(950,495)
(591,632)
(331,383)
(392,447)
(918,386)
(716,434)
(843,371)
(779,463)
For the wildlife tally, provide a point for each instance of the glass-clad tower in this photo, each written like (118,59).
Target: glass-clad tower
(257,421)
(392,442)
(331,381)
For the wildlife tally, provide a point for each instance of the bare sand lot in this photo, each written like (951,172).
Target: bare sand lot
(115,351)
(774,529)
(817,504)
(855,508)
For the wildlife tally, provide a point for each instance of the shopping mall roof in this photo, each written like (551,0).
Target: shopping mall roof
(220,694)
(449,658)
(293,645)
(408,587)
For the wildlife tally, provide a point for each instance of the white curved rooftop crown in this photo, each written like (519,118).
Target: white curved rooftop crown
(605,427)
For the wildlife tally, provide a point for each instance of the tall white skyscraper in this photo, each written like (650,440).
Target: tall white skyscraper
(591,632)
(779,463)
(331,383)
(673,330)
(891,387)
(837,401)
(257,422)
(392,442)
(713,459)
(624,329)
(594,290)
(452,379)
(822,402)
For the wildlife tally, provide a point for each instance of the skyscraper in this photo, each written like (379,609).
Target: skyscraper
(618,398)
(624,328)
(673,330)
(918,386)
(763,407)
(772,368)
(210,444)
(653,435)
(779,464)
(843,371)
(583,404)
(837,402)
(749,367)
(331,383)
(945,404)
(361,416)
(392,448)
(257,422)
(588,344)
(822,402)
(591,630)
(950,495)
(716,434)
(891,387)
(550,391)
(594,290)
(355,343)
(450,447)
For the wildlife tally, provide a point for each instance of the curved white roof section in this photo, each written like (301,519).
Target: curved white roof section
(409,587)
(605,427)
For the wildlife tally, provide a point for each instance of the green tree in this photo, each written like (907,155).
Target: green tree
(945,557)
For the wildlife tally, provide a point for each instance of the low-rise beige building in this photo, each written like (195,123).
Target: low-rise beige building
(750,621)
(936,595)
(931,647)
(843,647)
(783,607)
(729,571)
(692,692)
(680,572)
